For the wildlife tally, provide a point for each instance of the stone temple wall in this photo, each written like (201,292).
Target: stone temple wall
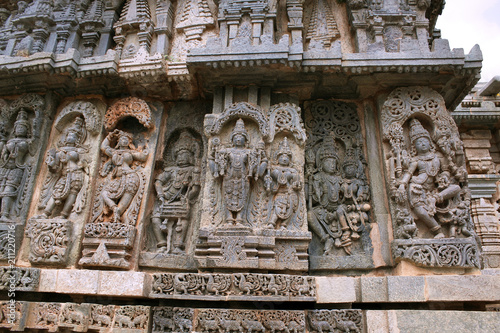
(244,166)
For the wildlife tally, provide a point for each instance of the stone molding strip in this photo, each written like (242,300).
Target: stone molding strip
(327,290)
(233,287)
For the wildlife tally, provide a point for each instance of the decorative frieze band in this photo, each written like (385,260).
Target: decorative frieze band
(238,286)
(73,317)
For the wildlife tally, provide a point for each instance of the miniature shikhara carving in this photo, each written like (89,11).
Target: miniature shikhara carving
(338,194)
(176,189)
(427,180)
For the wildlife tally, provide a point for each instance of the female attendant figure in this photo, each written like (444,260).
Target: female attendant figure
(118,193)
(67,172)
(284,182)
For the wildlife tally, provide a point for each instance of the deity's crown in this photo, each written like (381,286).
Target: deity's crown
(77,128)
(350,158)
(239,128)
(327,149)
(418,131)
(185,142)
(22,119)
(284,148)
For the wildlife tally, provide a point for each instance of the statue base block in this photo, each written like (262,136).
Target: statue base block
(49,240)
(167,260)
(108,245)
(265,250)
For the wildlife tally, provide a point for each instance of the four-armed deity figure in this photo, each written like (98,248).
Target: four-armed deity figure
(67,172)
(120,190)
(236,165)
(176,188)
(420,180)
(12,164)
(327,214)
(284,182)
(355,193)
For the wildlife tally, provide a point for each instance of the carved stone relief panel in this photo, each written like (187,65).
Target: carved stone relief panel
(427,181)
(175,215)
(121,187)
(233,287)
(61,203)
(338,191)
(254,210)
(23,133)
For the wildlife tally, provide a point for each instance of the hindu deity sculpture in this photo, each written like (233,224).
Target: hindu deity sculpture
(119,192)
(327,215)
(283,182)
(236,165)
(176,189)
(425,183)
(63,189)
(12,164)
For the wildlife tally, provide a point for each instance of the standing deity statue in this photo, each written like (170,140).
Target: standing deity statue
(236,165)
(283,181)
(327,216)
(425,183)
(176,188)
(63,188)
(117,194)
(12,164)
(355,193)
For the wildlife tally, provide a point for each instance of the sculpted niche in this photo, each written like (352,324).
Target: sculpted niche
(427,181)
(120,187)
(254,195)
(22,133)
(68,168)
(176,193)
(337,190)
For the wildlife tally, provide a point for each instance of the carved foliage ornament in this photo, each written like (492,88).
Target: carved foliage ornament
(128,107)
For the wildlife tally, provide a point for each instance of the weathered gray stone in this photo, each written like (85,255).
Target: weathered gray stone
(406,289)
(336,289)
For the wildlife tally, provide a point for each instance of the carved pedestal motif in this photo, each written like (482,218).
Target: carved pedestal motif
(427,181)
(176,210)
(338,191)
(110,234)
(69,166)
(254,213)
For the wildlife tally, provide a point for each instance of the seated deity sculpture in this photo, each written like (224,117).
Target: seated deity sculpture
(327,216)
(176,189)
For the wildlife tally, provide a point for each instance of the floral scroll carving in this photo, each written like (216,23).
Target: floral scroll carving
(427,180)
